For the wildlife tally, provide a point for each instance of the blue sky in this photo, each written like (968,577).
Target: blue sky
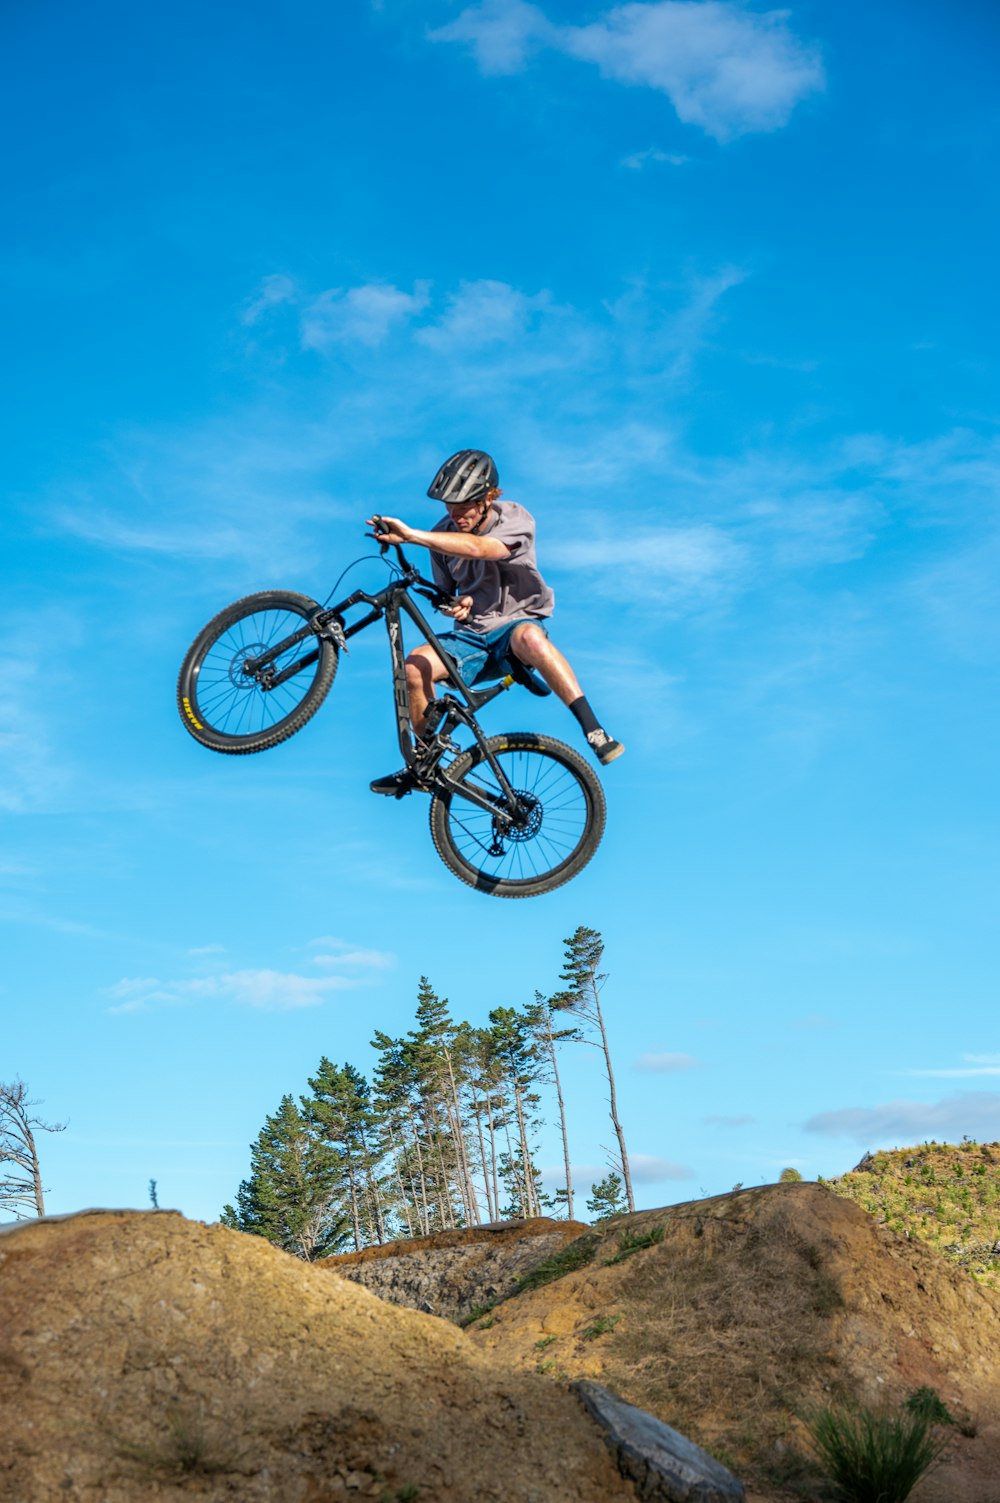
(717,287)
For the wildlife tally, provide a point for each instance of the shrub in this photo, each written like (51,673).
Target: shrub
(631,1242)
(873,1456)
(577,1255)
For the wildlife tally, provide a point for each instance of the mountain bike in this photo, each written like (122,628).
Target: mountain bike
(512,815)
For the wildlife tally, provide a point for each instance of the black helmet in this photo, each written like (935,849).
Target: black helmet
(466,476)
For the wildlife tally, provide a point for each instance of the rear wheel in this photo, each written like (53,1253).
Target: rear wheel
(231,709)
(560,823)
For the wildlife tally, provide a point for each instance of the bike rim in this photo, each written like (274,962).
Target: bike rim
(550,839)
(235,705)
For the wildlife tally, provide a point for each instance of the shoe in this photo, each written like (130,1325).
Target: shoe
(604,747)
(396,785)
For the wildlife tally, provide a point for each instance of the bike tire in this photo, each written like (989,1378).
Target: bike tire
(571,817)
(228,713)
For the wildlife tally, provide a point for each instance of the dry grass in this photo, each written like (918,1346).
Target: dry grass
(724,1334)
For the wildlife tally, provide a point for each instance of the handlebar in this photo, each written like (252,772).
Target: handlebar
(437,597)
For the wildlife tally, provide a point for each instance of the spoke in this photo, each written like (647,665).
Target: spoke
(238,706)
(562,815)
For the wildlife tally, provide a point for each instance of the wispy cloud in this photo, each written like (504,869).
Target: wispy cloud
(34,772)
(723,68)
(666,1063)
(261,988)
(646,1169)
(482,313)
(975,1064)
(975,1114)
(366,315)
(654,156)
(717,1120)
(677,564)
(340,952)
(272,293)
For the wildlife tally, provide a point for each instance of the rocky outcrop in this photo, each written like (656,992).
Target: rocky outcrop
(453,1274)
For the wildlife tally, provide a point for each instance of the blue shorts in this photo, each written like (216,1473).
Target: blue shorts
(482,655)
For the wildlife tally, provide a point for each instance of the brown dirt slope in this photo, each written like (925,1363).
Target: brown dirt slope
(947,1194)
(143,1356)
(742,1308)
(456,1272)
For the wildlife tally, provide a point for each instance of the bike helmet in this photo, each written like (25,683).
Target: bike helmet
(467,476)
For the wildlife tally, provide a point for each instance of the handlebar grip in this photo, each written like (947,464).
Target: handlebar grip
(379,526)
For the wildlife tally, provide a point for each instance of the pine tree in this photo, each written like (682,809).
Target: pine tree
(607,1198)
(291,1196)
(340,1113)
(516,1050)
(431,1050)
(582,996)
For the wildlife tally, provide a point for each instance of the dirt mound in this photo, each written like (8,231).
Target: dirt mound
(143,1356)
(455,1273)
(724,1316)
(947,1194)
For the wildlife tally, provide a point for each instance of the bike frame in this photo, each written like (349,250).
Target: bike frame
(446,712)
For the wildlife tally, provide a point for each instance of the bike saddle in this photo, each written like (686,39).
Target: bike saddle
(528,678)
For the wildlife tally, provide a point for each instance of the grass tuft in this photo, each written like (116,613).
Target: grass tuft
(633,1242)
(872,1455)
(577,1255)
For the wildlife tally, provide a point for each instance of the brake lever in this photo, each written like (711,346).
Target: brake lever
(378,526)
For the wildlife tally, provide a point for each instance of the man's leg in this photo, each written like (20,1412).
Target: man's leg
(530,644)
(424,669)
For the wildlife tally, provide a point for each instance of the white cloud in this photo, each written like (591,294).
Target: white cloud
(501,33)
(666,1063)
(274,291)
(648,1170)
(261,988)
(975,1064)
(640,159)
(482,313)
(676,565)
(34,762)
(975,1114)
(725,69)
(365,315)
(339,952)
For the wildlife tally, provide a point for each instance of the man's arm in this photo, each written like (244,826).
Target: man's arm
(457,544)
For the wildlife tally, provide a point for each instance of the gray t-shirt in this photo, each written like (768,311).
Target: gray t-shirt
(503,590)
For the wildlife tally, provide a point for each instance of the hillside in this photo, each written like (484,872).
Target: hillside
(143,1356)
(948,1195)
(725,1316)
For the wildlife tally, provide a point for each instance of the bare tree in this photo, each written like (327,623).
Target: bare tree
(20,1175)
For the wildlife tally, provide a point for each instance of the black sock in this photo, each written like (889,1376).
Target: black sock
(585,715)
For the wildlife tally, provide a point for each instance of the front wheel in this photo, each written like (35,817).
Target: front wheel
(560,819)
(245,683)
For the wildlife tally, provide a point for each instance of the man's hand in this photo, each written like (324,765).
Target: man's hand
(459,609)
(392,530)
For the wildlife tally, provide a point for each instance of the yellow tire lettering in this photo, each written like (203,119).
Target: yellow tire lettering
(190,714)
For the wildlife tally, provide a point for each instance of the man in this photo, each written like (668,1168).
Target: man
(483,552)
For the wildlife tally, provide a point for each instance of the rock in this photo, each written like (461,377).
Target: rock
(665,1466)
(453,1274)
